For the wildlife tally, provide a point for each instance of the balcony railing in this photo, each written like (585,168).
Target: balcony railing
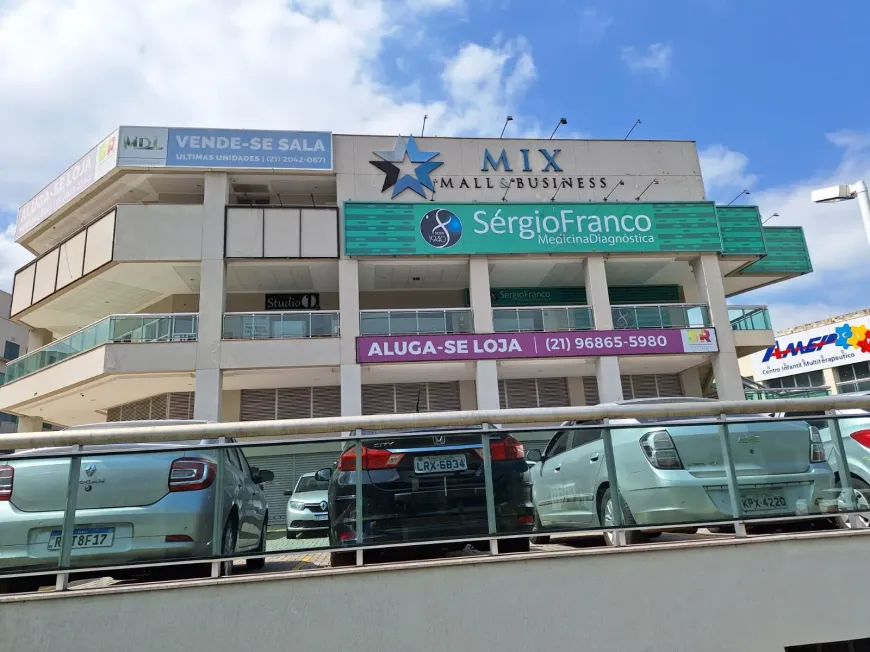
(438,321)
(280,325)
(178,327)
(799,392)
(542,320)
(669,315)
(749,318)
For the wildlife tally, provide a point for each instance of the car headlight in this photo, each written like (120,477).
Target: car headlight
(297,505)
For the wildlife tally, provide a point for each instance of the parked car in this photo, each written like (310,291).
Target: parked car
(855,431)
(429,486)
(676,474)
(307,509)
(132,508)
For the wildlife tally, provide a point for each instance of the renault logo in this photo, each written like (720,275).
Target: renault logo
(323,505)
(439,441)
(90,469)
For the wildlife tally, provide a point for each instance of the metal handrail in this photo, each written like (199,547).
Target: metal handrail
(294,427)
(332,315)
(460,309)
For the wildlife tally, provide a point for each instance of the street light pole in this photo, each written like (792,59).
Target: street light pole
(857,190)
(860,190)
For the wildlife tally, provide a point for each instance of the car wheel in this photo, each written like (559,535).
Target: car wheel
(540,539)
(511,546)
(341,559)
(721,529)
(862,496)
(260,562)
(605,516)
(228,546)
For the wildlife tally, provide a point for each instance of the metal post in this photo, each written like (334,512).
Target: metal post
(733,489)
(860,190)
(69,517)
(490,493)
(360,523)
(217,538)
(843,467)
(610,462)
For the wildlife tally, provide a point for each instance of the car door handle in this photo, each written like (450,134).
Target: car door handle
(594,458)
(558,468)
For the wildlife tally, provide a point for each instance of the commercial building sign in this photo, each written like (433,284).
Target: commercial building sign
(381,349)
(817,348)
(389,229)
(293,301)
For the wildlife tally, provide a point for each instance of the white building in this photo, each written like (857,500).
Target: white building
(832,356)
(13,339)
(228,275)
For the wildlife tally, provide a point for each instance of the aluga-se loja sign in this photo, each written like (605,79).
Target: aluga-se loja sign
(421,228)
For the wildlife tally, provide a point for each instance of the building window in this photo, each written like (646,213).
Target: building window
(8,418)
(807,379)
(853,378)
(11,351)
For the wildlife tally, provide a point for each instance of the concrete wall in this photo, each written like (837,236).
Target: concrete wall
(760,596)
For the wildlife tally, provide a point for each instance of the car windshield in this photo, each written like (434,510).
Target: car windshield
(310,483)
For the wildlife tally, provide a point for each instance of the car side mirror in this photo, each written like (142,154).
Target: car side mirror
(260,476)
(323,475)
(534,455)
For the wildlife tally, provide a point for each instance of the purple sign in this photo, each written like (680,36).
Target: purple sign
(501,346)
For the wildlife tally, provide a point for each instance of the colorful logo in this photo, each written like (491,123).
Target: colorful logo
(107,148)
(419,180)
(846,337)
(698,336)
(441,228)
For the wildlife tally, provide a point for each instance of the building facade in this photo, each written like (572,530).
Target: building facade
(827,356)
(13,339)
(239,275)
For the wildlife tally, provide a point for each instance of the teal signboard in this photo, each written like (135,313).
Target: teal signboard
(427,228)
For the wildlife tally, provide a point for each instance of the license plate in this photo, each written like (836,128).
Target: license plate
(763,502)
(98,537)
(321,517)
(440,464)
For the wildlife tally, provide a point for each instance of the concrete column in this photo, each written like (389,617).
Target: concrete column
(690,379)
(348,305)
(212,299)
(231,406)
(711,290)
(351,390)
(29,424)
(467,395)
(479,294)
(831,379)
(576,395)
(37,338)
(486,384)
(606,368)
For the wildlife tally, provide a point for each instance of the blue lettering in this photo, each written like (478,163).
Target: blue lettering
(495,163)
(526,166)
(551,160)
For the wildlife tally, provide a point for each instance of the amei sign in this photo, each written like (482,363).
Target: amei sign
(381,349)
(841,343)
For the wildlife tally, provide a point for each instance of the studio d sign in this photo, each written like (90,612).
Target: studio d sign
(292,302)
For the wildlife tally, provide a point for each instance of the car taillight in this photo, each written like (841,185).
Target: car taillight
(508,448)
(191,474)
(372,459)
(660,450)
(861,436)
(817,450)
(7,475)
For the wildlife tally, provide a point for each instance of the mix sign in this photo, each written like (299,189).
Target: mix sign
(388,229)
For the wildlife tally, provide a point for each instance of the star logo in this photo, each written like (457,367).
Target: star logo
(403,152)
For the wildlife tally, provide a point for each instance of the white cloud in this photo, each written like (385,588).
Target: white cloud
(725,169)
(12,256)
(71,70)
(835,235)
(655,59)
(593,25)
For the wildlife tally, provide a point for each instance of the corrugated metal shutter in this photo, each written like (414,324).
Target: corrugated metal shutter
(287,469)
(516,393)
(113,414)
(160,406)
(669,385)
(181,405)
(178,405)
(378,399)
(443,397)
(404,398)
(590,390)
(290,403)
(293,403)
(411,397)
(325,401)
(651,386)
(258,405)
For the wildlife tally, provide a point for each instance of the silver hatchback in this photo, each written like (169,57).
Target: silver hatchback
(308,509)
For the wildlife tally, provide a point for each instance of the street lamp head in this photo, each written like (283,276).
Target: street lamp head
(832,194)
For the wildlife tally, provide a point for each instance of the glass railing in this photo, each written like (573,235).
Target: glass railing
(799,392)
(749,318)
(439,321)
(671,315)
(179,327)
(542,320)
(280,325)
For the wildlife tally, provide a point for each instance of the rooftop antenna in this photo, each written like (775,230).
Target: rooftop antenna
(745,192)
(504,196)
(423,131)
(508,119)
(770,218)
(621,183)
(654,182)
(636,122)
(562,121)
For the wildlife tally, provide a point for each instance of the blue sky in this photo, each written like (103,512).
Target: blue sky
(765,88)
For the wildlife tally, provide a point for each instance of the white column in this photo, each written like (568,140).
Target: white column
(830,379)
(467,395)
(711,291)
(348,304)
(36,339)
(212,299)
(690,379)
(486,371)
(30,424)
(576,393)
(606,368)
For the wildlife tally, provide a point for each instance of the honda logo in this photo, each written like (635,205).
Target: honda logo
(439,441)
